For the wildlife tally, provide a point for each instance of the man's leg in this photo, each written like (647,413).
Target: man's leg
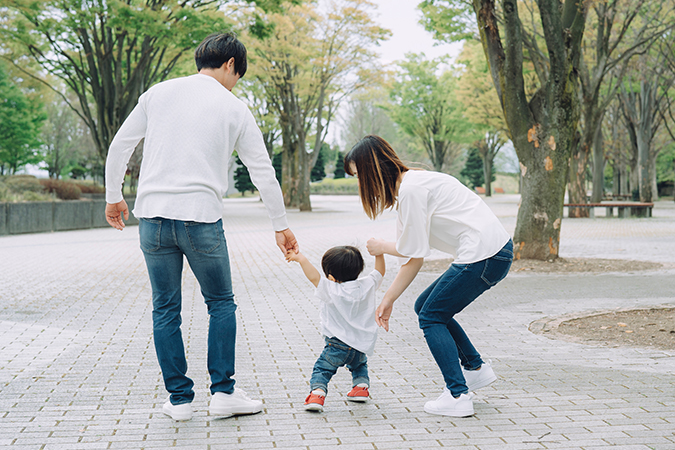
(164,261)
(206,250)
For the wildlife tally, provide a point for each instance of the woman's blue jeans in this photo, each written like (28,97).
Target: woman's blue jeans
(164,242)
(448,295)
(335,355)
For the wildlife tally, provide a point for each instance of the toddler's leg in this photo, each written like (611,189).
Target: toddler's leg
(360,381)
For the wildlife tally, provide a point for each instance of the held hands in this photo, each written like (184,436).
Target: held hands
(292,256)
(113,213)
(383,313)
(375,246)
(286,241)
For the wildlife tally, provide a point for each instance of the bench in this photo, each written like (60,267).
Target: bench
(625,209)
(499,191)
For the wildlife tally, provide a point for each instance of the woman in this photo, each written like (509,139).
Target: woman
(435,211)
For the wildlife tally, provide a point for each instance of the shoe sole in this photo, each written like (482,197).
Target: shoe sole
(314,407)
(357,399)
(483,383)
(465,413)
(230,413)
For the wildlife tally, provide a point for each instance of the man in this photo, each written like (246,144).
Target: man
(191,126)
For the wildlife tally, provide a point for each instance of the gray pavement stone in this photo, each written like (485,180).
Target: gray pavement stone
(78,368)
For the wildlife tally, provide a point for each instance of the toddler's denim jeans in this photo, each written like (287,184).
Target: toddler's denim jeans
(335,355)
(164,242)
(448,295)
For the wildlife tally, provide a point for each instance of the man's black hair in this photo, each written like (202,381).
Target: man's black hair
(219,48)
(345,263)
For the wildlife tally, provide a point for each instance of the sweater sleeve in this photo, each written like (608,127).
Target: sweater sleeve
(122,147)
(251,149)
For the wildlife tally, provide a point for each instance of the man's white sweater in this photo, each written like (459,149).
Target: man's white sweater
(191,126)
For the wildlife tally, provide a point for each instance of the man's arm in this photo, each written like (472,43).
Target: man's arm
(310,271)
(127,138)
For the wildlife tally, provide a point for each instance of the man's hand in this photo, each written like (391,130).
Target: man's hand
(113,214)
(286,241)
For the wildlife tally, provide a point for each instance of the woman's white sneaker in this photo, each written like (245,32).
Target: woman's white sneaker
(233,404)
(447,405)
(476,379)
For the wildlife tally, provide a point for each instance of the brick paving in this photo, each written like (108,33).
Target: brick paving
(78,369)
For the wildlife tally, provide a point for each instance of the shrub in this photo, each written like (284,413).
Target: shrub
(29,196)
(23,183)
(340,186)
(90,188)
(65,190)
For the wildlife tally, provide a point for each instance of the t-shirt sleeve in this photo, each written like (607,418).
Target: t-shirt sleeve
(413,223)
(322,291)
(376,278)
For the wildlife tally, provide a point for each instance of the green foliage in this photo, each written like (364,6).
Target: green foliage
(18,184)
(339,166)
(423,105)
(341,186)
(20,120)
(665,164)
(473,170)
(242,178)
(448,20)
(276,163)
(318,172)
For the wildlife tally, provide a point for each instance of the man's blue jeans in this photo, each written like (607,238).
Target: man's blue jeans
(164,242)
(335,355)
(448,295)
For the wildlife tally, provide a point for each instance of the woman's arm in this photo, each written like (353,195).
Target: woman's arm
(405,275)
(381,247)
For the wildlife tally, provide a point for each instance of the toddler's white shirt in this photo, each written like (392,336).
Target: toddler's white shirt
(191,126)
(436,211)
(348,310)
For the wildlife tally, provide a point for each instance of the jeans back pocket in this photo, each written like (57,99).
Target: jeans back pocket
(204,237)
(149,232)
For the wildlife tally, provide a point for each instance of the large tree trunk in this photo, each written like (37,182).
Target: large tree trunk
(543,129)
(577,185)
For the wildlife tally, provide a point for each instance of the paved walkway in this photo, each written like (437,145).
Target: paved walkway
(78,368)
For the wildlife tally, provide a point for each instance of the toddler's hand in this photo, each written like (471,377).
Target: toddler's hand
(291,256)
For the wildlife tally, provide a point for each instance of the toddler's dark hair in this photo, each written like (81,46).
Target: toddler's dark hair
(344,262)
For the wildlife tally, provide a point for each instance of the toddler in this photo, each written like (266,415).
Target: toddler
(347,319)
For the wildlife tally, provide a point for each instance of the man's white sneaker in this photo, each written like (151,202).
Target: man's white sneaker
(447,405)
(177,412)
(476,379)
(233,404)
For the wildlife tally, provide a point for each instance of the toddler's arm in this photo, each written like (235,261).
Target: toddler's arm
(379,264)
(310,271)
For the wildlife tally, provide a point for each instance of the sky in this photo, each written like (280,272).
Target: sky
(402,17)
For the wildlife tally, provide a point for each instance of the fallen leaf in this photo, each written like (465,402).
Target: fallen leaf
(621,324)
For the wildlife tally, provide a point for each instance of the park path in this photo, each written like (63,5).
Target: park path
(78,369)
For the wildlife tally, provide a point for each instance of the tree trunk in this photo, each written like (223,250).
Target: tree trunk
(487,173)
(542,130)
(598,166)
(577,185)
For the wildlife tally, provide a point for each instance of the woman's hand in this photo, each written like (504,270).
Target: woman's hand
(383,313)
(376,246)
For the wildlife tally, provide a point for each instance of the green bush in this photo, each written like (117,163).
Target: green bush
(29,196)
(65,190)
(340,186)
(19,184)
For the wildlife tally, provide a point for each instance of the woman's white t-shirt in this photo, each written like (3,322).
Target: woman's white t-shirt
(348,310)
(436,211)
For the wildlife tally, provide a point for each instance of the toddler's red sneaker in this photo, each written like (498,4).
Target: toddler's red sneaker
(358,394)
(314,402)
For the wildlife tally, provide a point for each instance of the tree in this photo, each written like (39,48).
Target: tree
(424,107)
(307,65)
(473,169)
(66,139)
(318,172)
(107,53)
(543,126)
(482,109)
(20,120)
(242,179)
(339,166)
(621,30)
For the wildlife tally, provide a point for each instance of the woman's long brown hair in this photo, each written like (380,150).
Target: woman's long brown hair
(378,168)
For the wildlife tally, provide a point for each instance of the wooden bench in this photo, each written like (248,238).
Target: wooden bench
(625,209)
(499,191)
